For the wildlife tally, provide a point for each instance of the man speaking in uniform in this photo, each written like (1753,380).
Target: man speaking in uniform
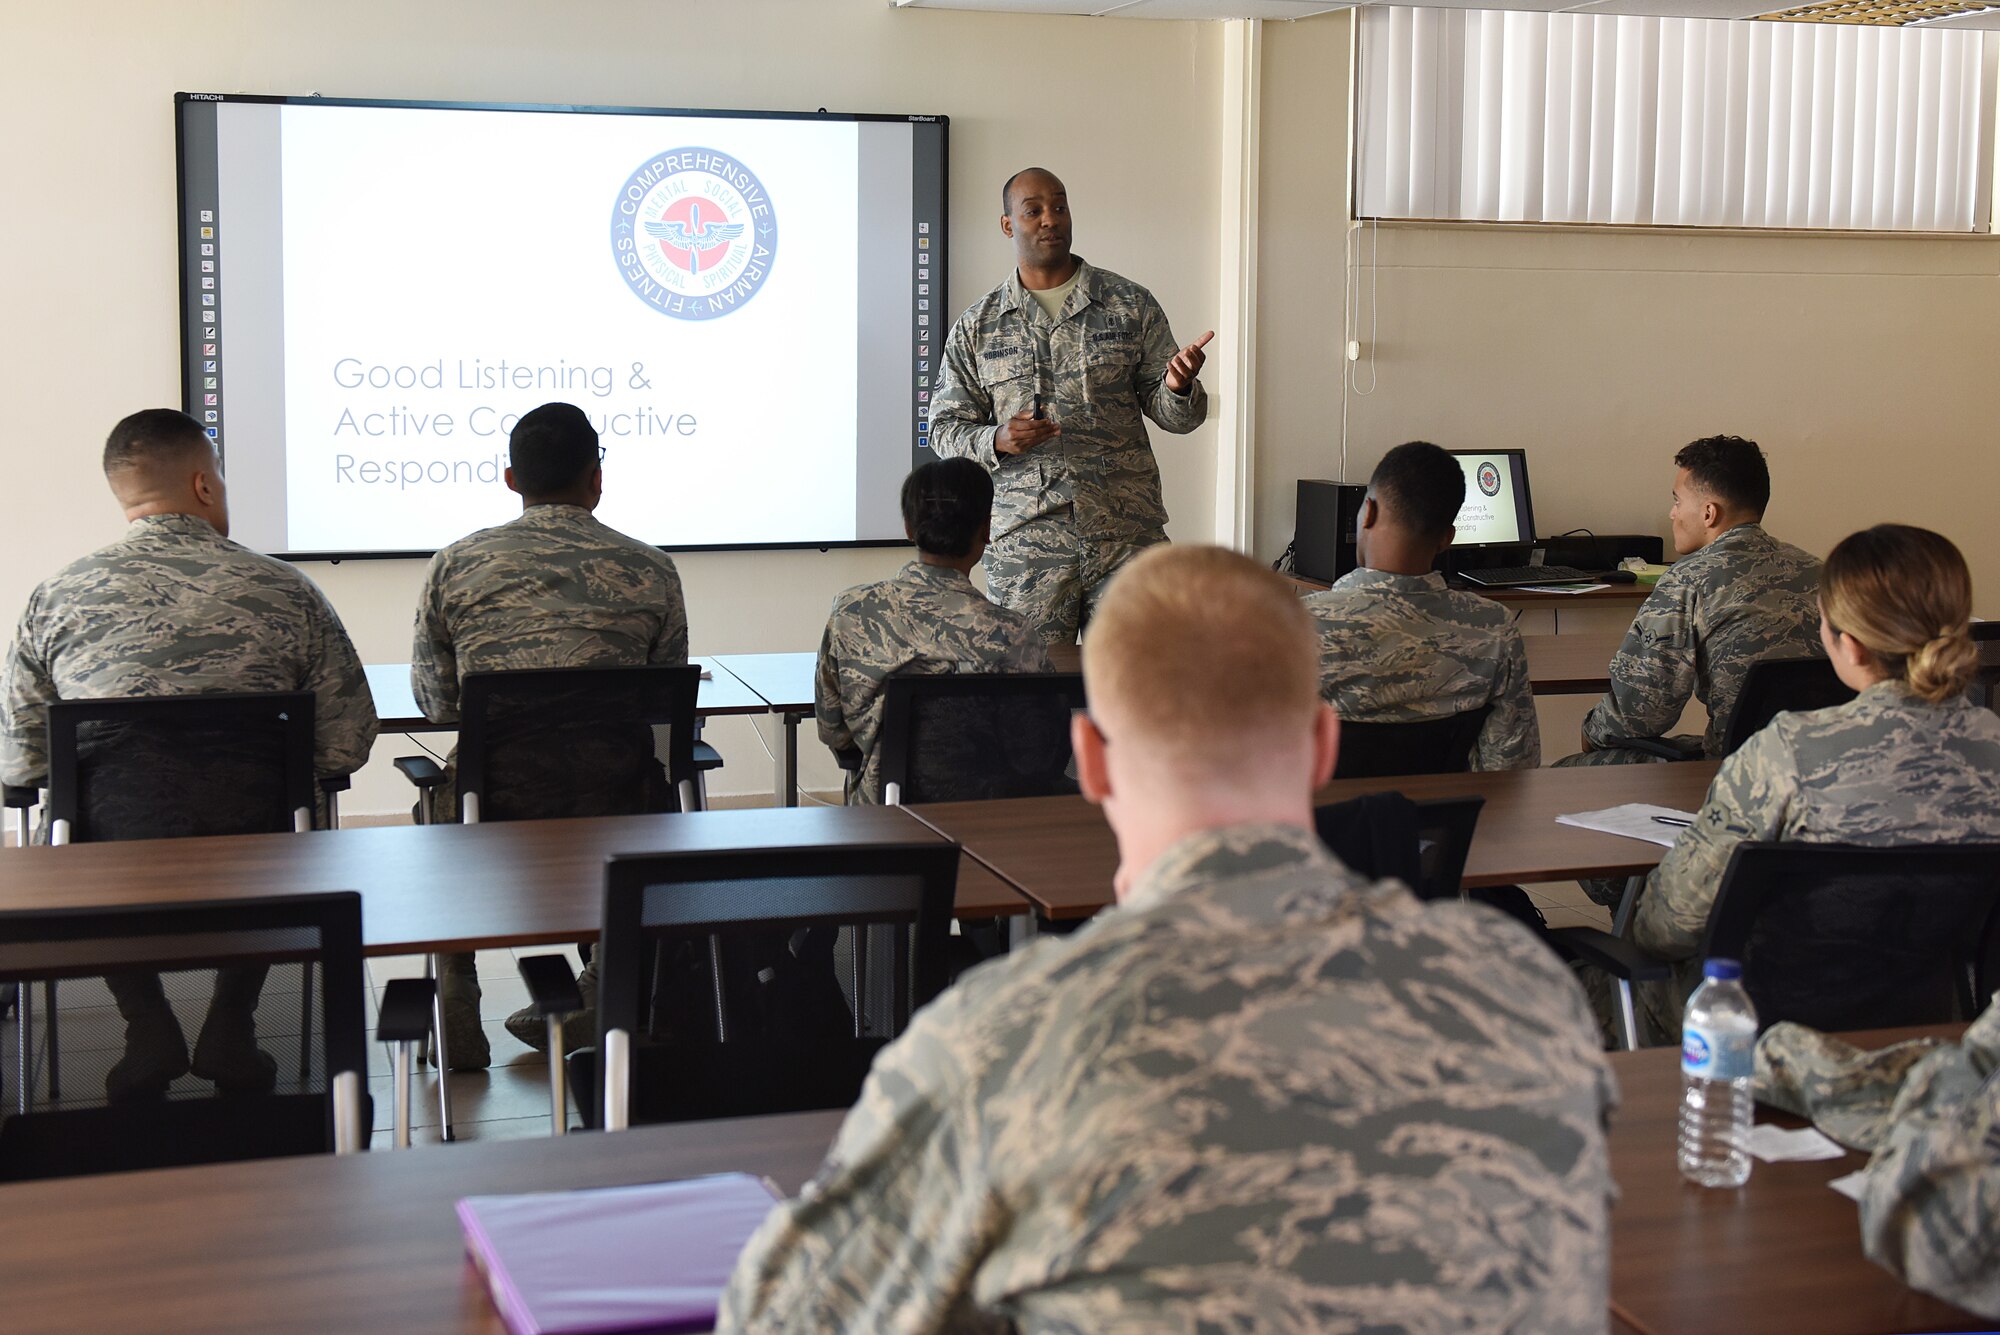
(1043,381)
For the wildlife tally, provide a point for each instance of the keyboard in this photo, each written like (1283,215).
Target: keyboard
(1504,577)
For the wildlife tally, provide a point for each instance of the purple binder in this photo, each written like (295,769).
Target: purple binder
(651,1258)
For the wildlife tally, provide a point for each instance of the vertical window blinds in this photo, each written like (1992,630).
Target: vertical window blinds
(1488,116)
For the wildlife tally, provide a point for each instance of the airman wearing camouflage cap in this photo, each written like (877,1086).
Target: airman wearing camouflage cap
(1930,1114)
(173,607)
(1396,645)
(1262,1092)
(928,618)
(1044,381)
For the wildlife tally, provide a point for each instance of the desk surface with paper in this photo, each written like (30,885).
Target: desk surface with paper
(1059,853)
(371,1241)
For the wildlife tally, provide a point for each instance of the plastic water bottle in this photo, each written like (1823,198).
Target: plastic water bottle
(1718,1042)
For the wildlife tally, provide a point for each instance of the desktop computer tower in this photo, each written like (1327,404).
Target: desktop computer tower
(1323,541)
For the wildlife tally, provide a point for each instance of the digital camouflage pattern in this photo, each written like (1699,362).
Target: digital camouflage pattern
(1404,648)
(1930,1204)
(553,588)
(1743,598)
(175,608)
(1888,767)
(1263,1094)
(1844,1090)
(926,619)
(1069,511)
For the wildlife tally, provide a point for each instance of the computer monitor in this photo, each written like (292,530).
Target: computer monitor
(1497,511)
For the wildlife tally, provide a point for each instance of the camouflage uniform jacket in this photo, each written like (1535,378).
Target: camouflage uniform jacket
(1744,597)
(1095,370)
(1885,768)
(1404,648)
(1263,1094)
(926,619)
(554,588)
(175,608)
(1930,1205)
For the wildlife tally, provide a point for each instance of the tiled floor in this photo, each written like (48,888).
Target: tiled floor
(508,1101)
(1563,904)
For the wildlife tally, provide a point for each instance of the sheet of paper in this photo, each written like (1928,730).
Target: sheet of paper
(1559,588)
(1774,1144)
(1634,820)
(1850,1186)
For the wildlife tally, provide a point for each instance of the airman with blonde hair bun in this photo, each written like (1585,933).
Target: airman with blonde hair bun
(1904,595)
(1909,760)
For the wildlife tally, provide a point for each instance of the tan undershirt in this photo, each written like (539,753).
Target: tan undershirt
(1051,300)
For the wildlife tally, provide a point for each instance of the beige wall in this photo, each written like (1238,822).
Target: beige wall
(1866,367)
(1127,112)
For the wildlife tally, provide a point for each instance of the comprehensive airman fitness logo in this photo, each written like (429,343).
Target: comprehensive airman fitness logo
(1489,479)
(693,233)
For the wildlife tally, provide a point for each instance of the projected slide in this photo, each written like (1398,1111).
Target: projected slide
(1495,506)
(742,305)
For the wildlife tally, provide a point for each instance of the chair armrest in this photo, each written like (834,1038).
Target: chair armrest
(336,783)
(1617,957)
(552,987)
(706,757)
(1652,746)
(20,799)
(405,1013)
(420,770)
(849,759)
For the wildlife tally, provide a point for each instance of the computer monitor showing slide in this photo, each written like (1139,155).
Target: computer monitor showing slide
(1497,511)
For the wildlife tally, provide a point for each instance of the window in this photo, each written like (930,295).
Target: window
(1528,117)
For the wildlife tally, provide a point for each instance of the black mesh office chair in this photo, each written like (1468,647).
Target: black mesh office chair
(544,743)
(1422,844)
(1840,937)
(956,737)
(551,742)
(759,981)
(160,767)
(1778,685)
(1986,632)
(1432,746)
(296,938)
(1771,687)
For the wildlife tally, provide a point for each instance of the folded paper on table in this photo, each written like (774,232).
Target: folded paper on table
(645,1258)
(1633,820)
(1775,1144)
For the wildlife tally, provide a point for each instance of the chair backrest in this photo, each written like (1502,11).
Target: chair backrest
(954,737)
(769,977)
(1422,844)
(1840,937)
(158,767)
(1776,685)
(285,950)
(1430,746)
(546,742)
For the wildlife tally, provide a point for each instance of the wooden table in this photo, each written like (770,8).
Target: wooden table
(370,1242)
(1059,853)
(366,1242)
(453,887)
(396,703)
(1781,1254)
(1570,664)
